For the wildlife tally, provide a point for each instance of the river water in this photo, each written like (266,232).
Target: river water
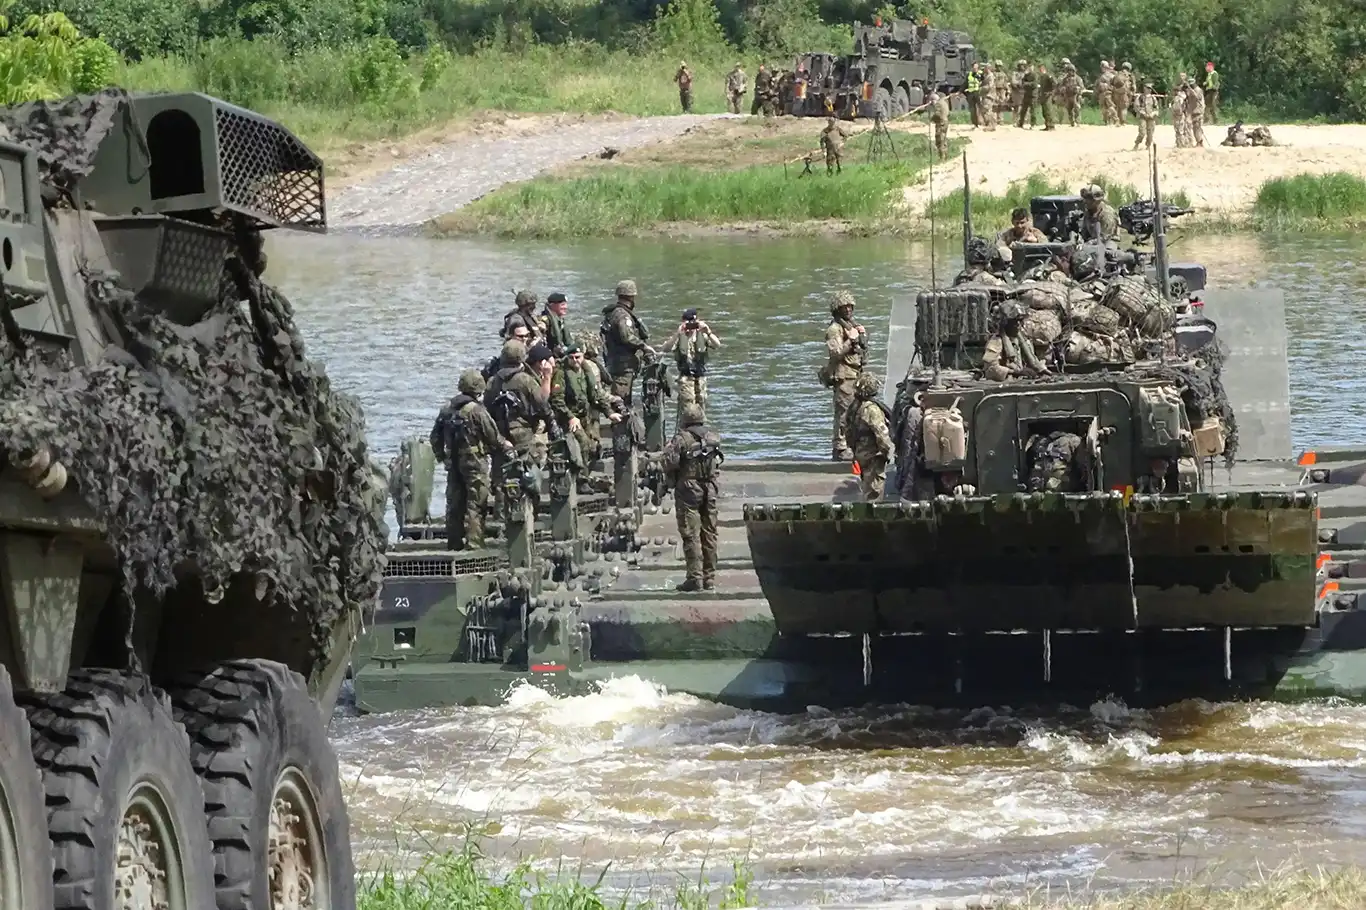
(883,803)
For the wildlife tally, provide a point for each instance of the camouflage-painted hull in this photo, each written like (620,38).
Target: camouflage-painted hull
(1038,561)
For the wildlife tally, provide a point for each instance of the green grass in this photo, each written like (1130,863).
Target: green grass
(1334,197)
(462,880)
(622,201)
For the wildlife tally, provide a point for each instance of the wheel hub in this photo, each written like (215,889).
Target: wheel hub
(140,878)
(298,862)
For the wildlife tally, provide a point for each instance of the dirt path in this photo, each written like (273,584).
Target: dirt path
(1216,179)
(432,175)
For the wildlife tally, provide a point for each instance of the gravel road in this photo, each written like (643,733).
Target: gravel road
(454,174)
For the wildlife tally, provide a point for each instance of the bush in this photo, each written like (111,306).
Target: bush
(1337,195)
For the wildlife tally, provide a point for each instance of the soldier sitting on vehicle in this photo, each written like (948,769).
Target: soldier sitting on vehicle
(1008,354)
(979,265)
(1021,230)
(1058,463)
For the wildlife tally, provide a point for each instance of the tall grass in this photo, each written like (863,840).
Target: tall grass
(1338,196)
(622,201)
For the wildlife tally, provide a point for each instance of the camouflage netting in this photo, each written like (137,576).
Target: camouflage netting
(1202,389)
(67,133)
(191,452)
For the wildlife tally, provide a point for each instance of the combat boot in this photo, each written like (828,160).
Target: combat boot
(709,584)
(691,584)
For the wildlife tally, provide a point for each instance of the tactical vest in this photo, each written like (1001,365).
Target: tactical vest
(703,456)
(697,368)
(457,428)
(974,82)
(854,426)
(612,347)
(506,404)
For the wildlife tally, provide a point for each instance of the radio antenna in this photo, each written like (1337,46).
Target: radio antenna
(1164,278)
(934,288)
(967,210)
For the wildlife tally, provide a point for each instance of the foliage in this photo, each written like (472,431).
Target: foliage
(46,57)
(690,28)
(378,72)
(1334,196)
(134,28)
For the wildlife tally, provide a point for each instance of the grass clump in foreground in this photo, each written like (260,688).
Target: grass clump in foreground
(1318,889)
(459,880)
(625,200)
(991,212)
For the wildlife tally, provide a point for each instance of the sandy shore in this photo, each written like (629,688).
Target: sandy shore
(1216,179)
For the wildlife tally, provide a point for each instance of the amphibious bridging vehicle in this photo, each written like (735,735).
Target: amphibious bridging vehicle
(1231,571)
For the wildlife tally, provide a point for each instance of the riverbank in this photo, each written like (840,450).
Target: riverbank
(739,177)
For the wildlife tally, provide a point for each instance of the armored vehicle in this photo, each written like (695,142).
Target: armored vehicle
(189,520)
(895,64)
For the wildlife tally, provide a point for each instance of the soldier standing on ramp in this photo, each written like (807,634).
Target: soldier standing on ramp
(691,462)
(462,438)
(869,431)
(846,345)
(684,79)
(625,339)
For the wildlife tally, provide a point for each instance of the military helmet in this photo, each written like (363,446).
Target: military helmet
(626,288)
(690,415)
(1012,311)
(1093,191)
(526,298)
(1127,65)
(868,384)
(830,121)
(841,299)
(514,351)
(471,383)
(1147,83)
(979,251)
(999,63)
(589,342)
(1066,60)
(1022,62)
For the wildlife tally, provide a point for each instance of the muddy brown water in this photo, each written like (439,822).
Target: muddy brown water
(884,803)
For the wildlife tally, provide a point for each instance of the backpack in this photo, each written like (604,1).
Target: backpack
(505,406)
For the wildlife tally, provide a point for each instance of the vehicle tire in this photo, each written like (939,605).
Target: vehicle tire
(882,99)
(902,102)
(272,791)
(125,812)
(25,852)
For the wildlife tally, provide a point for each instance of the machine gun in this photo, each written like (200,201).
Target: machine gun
(1138,217)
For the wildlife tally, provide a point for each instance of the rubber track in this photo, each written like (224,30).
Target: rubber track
(218,710)
(71,732)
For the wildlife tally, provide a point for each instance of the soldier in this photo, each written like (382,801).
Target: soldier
(1003,89)
(763,84)
(462,438)
(977,264)
(551,324)
(939,120)
(1017,90)
(1146,109)
(1180,126)
(691,463)
(691,344)
(523,314)
(1122,88)
(684,79)
(1007,354)
(735,88)
(973,92)
(519,333)
(519,409)
(579,402)
(869,432)
(832,141)
(1236,136)
(846,345)
(1021,230)
(1105,93)
(591,345)
(987,97)
(1069,91)
(625,339)
(1056,463)
(1195,113)
(1029,97)
(1046,89)
(1099,221)
(1211,93)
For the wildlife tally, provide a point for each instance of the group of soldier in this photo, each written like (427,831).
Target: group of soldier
(1031,89)
(548,384)
(770,85)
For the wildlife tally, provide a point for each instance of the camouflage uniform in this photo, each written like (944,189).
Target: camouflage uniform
(1071,89)
(1195,113)
(847,351)
(1105,86)
(1047,88)
(524,314)
(518,407)
(462,438)
(1145,106)
(1029,97)
(939,119)
(1053,463)
(763,86)
(684,79)
(1178,108)
(1099,217)
(625,340)
(869,432)
(691,462)
(690,357)
(987,97)
(575,393)
(1005,238)
(832,141)
(1017,89)
(1003,86)
(1007,354)
(735,89)
(1123,90)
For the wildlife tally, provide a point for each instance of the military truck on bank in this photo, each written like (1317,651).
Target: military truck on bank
(190,522)
(1187,553)
(894,65)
